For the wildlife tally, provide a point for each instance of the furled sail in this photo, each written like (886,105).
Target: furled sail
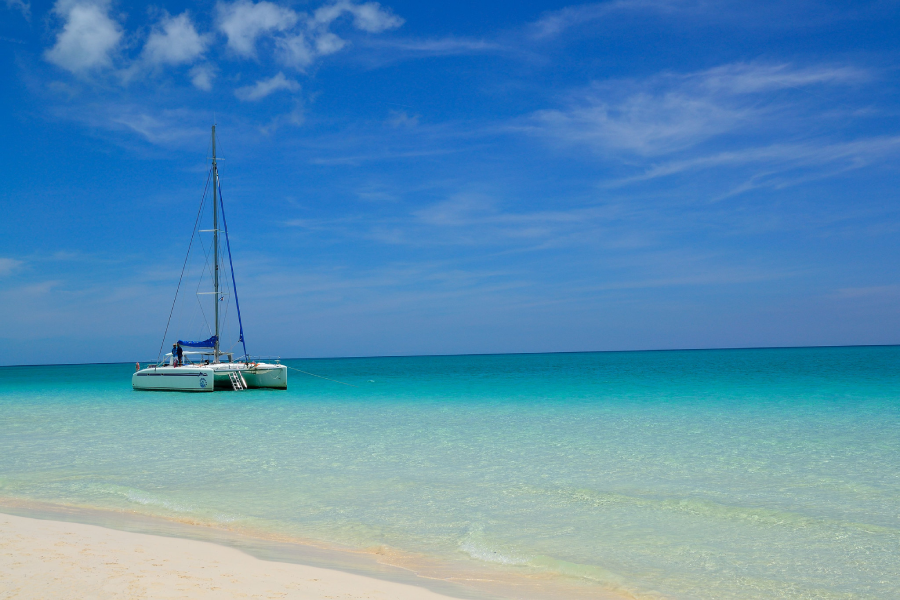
(210,343)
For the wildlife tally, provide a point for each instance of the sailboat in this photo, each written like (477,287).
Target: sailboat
(205,367)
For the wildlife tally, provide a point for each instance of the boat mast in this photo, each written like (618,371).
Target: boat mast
(216,236)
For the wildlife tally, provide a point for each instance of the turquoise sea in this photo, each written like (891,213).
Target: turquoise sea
(719,474)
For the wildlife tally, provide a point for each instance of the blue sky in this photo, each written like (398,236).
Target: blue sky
(423,178)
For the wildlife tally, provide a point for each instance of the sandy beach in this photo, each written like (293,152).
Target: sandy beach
(54,559)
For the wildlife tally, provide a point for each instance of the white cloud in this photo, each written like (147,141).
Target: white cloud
(244,21)
(21,6)
(88,36)
(174,41)
(372,18)
(299,38)
(8,265)
(295,51)
(202,76)
(264,87)
(301,50)
(329,43)
(369,17)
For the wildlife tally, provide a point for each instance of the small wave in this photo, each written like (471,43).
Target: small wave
(487,554)
(478,546)
(143,498)
(225,519)
(146,499)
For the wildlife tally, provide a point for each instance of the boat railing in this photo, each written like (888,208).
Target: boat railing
(255,358)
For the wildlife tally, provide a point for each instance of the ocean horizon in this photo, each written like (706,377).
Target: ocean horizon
(709,473)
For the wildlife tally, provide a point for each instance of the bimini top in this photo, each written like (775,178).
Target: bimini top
(210,343)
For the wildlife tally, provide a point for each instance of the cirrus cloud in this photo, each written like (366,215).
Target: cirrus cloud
(671,112)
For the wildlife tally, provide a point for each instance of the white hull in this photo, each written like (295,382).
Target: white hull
(257,375)
(207,378)
(181,379)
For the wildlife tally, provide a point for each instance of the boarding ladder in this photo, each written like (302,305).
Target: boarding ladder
(237,381)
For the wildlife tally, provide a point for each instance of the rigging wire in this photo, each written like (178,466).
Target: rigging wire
(225,275)
(237,303)
(175,299)
(203,271)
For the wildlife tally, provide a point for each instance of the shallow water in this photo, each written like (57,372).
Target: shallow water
(732,474)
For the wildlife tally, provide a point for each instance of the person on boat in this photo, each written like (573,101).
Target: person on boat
(180,352)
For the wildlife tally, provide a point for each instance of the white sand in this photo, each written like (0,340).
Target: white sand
(53,559)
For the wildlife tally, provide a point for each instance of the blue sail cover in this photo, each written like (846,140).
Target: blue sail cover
(210,343)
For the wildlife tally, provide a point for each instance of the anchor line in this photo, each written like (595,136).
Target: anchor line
(320,377)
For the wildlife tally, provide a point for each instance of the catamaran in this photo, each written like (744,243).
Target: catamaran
(206,367)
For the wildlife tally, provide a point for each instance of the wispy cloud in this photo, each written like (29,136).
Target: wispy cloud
(671,112)
(555,23)
(877,292)
(445,46)
(476,219)
(161,127)
(21,6)
(265,87)
(855,154)
(401,118)
(588,19)
(8,265)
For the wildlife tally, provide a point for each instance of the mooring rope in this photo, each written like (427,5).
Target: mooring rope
(320,377)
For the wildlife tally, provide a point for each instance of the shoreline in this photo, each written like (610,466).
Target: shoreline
(30,528)
(57,559)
